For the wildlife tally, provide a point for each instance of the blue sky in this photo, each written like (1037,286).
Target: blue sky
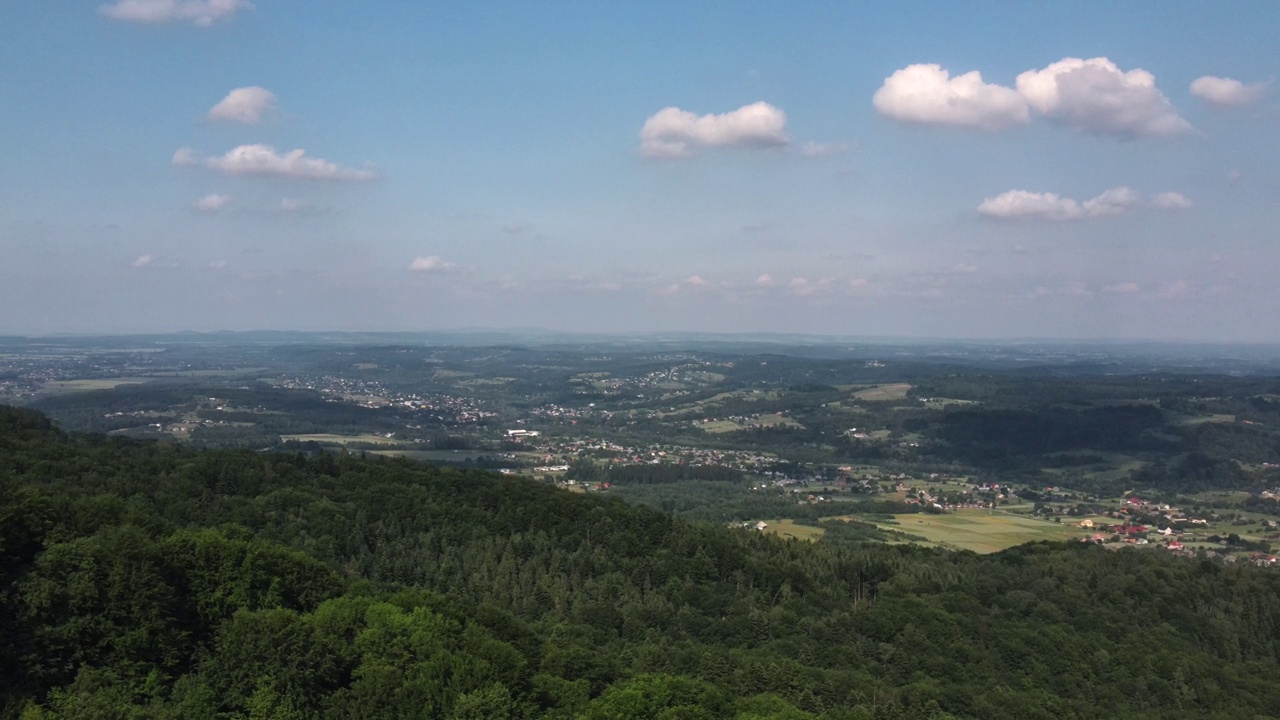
(1110,171)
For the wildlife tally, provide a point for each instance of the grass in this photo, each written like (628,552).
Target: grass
(979,530)
(341,439)
(58,387)
(767,420)
(940,403)
(1217,418)
(789,529)
(895,391)
(434,455)
(719,426)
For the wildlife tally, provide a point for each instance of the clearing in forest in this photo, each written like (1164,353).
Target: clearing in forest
(341,439)
(895,391)
(981,531)
(789,529)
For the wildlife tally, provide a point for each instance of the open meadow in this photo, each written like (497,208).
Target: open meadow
(981,531)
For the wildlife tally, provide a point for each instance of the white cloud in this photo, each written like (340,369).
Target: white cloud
(926,94)
(264,161)
(201,12)
(430,264)
(800,286)
(1123,288)
(672,132)
(1174,290)
(1225,91)
(1022,204)
(696,280)
(1097,97)
(291,205)
(1076,288)
(1170,201)
(249,105)
(963,269)
(144,260)
(1115,201)
(764,280)
(803,287)
(1018,204)
(212,203)
(817,149)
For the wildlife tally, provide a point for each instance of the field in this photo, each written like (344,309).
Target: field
(979,530)
(896,391)
(789,529)
(1218,418)
(766,420)
(434,455)
(719,426)
(57,387)
(341,439)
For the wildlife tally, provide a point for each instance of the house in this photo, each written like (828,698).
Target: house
(1086,523)
(762,525)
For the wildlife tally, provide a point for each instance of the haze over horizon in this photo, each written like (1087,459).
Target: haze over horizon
(922,170)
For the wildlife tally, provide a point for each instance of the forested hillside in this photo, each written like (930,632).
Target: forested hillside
(142,580)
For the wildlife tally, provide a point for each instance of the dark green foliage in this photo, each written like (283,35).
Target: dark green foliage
(152,581)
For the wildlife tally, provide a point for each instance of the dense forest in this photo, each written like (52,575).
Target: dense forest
(149,580)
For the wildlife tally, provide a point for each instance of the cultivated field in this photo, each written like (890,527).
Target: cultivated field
(789,529)
(896,391)
(341,439)
(979,530)
(58,387)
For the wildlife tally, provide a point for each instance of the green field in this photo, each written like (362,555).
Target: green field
(896,391)
(58,387)
(789,529)
(979,530)
(434,455)
(766,420)
(719,426)
(341,439)
(1217,418)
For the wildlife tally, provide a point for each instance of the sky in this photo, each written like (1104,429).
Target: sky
(910,169)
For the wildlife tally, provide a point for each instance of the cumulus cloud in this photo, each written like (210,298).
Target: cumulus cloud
(264,161)
(1123,288)
(212,203)
(249,105)
(764,280)
(430,264)
(1019,204)
(818,149)
(672,132)
(1097,97)
(144,260)
(928,95)
(1225,91)
(1174,290)
(1115,201)
(1026,205)
(1170,201)
(695,280)
(200,12)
